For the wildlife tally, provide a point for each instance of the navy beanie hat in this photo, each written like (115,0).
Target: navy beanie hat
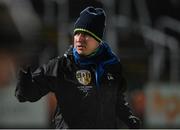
(92,22)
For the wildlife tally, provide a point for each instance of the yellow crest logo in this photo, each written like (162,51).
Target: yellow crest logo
(83,76)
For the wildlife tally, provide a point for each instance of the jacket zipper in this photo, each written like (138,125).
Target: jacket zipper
(99,103)
(94,68)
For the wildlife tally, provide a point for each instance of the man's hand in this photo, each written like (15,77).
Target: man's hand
(25,76)
(24,80)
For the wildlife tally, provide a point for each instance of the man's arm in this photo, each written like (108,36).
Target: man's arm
(32,86)
(123,109)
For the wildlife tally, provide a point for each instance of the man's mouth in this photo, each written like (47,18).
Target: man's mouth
(80,47)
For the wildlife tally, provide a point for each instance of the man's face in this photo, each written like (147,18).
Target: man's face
(84,43)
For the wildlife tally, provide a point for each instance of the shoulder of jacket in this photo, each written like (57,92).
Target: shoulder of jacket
(60,59)
(115,67)
(65,60)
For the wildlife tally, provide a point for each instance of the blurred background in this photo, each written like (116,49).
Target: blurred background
(143,33)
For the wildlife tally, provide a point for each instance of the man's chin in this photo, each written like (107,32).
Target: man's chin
(81,53)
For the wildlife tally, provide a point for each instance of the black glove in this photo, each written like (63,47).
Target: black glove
(25,76)
(24,80)
(134,122)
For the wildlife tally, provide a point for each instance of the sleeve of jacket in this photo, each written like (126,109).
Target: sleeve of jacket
(123,109)
(32,86)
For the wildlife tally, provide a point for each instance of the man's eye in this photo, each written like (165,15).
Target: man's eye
(78,33)
(82,33)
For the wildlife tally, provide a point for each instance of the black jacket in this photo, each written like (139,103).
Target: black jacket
(80,103)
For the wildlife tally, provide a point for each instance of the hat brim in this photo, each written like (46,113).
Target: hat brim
(88,32)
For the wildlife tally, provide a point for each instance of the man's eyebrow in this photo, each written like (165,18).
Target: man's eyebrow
(82,32)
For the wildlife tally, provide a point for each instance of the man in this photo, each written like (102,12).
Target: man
(87,80)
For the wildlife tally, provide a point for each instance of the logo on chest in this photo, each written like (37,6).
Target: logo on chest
(110,76)
(83,76)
